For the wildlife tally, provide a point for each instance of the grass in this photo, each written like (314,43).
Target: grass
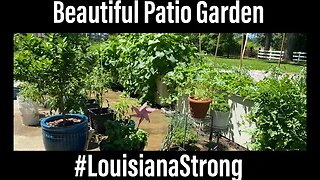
(257,64)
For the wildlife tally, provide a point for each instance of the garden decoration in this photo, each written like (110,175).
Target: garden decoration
(142,112)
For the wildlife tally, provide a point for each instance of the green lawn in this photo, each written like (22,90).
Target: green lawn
(257,64)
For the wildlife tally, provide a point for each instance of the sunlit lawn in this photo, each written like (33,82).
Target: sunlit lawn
(256,64)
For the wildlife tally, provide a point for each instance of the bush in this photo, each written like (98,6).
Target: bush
(280,113)
(56,66)
(136,61)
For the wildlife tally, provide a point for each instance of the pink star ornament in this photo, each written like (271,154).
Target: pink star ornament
(142,112)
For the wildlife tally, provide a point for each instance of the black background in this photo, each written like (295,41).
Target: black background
(34,16)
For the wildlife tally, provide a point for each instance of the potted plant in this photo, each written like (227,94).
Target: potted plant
(56,65)
(99,81)
(220,110)
(123,137)
(200,101)
(28,102)
(122,108)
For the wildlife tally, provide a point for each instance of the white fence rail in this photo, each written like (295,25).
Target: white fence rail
(299,56)
(268,54)
(275,55)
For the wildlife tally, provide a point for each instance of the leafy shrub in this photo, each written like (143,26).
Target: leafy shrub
(122,137)
(178,137)
(280,113)
(177,134)
(213,79)
(122,108)
(29,92)
(136,61)
(97,82)
(220,103)
(56,65)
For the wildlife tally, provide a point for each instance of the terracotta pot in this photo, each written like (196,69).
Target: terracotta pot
(199,108)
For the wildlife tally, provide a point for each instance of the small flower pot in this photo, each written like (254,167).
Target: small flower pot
(198,108)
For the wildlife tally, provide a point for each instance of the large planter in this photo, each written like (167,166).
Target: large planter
(220,119)
(99,116)
(198,108)
(29,112)
(91,103)
(66,138)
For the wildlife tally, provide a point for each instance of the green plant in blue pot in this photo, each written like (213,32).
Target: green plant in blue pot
(56,65)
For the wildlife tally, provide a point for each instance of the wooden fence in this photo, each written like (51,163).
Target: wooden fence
(275,55)
(299,56)
(268,54)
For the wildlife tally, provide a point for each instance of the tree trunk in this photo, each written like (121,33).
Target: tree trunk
(217,46)
(290,43)
(268,38)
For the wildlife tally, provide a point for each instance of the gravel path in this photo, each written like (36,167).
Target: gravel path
(258,74)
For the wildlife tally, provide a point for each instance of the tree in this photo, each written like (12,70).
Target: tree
(56,65)
(229,45)
(291,38)
(268,39)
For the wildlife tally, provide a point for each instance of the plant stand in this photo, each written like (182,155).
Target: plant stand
(218,133)
(214,130)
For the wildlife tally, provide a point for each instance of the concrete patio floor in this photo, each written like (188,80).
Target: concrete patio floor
(29,138)
(26,138)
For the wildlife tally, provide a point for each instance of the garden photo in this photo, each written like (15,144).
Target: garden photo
(160,91)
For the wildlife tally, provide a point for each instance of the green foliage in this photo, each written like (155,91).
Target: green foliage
(179,133)
(206,80)
(121,137)
(220,103)
(137,60)
(98,80)
(178,137)
(229,45)
(201,92)
(177,81)
(280,113)
(239,82)
(55,65)
(209,42)
(300,45)
(29,92)
(122,108)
